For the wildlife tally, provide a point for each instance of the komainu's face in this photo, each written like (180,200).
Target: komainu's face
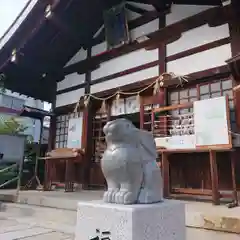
(120,130)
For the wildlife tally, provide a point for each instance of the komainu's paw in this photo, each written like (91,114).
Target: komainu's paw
(110,195)
(148,196)
(125,197)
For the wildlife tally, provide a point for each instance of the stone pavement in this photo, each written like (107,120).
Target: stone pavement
(22,222)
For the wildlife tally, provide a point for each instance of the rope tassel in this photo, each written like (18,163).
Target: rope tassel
(86,100)
(103,107)
(156,87)
(76,107)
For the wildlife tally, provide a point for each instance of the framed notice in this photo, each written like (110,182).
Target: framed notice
(74,139)
(211,123)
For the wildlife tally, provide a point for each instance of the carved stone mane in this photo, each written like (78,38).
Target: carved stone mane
(129,165)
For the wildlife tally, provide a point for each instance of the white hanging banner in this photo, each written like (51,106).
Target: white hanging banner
(132,105)
(75,132)
(118,107)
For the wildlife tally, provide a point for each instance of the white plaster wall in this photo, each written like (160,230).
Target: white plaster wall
(201,61)
(125,62)
(79,56)
(197,37)
(31,102)
(180,12)
(69,97)
(99,48)
(124,80)
(131,15)
(194,38)
(144,29)
(71,80)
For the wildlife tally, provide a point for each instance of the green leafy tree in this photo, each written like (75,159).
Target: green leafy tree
(11,126)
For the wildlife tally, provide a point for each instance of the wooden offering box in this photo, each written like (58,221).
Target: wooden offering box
(70,160)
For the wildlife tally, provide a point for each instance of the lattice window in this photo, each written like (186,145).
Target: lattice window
(181,97)
(148,119)
(99,144)
(62,129)
(217,89)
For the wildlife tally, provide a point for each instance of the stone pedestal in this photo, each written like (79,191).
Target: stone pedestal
(161,221)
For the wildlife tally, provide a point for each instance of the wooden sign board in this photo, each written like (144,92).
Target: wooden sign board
(211,127)
(211,123)
(75,129)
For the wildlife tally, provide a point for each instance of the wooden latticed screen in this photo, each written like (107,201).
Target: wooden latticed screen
(99,144)
(167,124)
(148,121)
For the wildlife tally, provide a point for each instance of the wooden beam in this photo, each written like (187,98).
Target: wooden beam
(175,30)
(160,5)
(156,39)
(144,19)
(135,9)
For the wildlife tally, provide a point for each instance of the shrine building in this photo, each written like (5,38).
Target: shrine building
(171,67)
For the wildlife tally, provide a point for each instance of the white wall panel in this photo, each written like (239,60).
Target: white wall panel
(99,48)
(125,62)
(201,61)
(124,80)
(71,80)
(132,15)
(144,29)
(197,37)
(79,56)
(180,12)
(69,97)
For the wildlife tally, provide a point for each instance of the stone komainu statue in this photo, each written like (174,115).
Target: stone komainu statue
(129,165)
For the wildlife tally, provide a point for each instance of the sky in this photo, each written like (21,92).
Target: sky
(9,10)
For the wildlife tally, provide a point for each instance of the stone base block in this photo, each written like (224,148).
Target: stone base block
(160,221)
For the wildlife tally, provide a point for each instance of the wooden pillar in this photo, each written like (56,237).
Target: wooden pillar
(52,133)
(88,144)
(51,145)
(166,175)
(233,171)
(214,177)
(234,27)
(162,52)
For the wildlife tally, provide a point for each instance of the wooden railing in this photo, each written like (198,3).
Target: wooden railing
(13,166)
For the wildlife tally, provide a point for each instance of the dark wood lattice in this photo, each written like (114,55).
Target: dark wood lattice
(99,144)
